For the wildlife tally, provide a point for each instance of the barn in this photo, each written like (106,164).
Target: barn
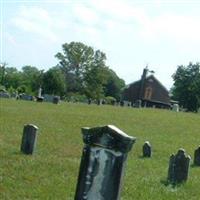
(147,92)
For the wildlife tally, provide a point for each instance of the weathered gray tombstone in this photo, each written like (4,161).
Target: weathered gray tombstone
(175,107)
(147,149)
(4,95)
(197,157)
(178,167)
(56,99)
(138,104)
(29,139)
(102,164)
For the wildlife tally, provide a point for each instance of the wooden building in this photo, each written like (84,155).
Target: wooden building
(147,92)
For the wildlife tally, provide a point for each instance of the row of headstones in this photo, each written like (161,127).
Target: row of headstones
(23,96)
(103,159)
(178,164)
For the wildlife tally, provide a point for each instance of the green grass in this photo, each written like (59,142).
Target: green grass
(51,173)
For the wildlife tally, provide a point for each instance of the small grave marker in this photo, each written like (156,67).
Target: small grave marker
(147,149)
(56,99)
(29,139)
(102,164)
(178,167)
(197,157)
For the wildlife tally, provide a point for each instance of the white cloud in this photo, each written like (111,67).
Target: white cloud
(86,15)
(37,21)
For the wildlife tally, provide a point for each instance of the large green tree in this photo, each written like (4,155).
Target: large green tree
(11,78)
(186,87)
(31,78)
(54,82)
(82,67)
(113,84)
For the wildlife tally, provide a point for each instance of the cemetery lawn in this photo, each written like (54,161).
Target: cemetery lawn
(51,173)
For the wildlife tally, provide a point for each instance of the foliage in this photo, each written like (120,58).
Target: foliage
(110,100)
(12,77)
(53,171)
(54,82)
(86,72)
(31,78)
(74,61)
(75,97)
(113,85)
(186,87)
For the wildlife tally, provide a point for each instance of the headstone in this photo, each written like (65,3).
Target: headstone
(40,92)
(138,104)
(29,139)
(48,98)
(4,95)
(102,164)
(146,149)
(122,103)
(56,99)
(89,101)
(197,157)
(26,97)
(178,167)
(40,98)
(175,108)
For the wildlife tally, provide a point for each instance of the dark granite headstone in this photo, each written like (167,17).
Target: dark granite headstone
(146,149)
(26,97)
(56,99)
(39,99)
(178,167)
(29,139)
(102,163)
(197,157)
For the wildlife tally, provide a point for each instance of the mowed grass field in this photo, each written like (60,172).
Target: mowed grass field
(51,173)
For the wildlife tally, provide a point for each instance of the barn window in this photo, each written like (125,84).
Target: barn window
(148,93)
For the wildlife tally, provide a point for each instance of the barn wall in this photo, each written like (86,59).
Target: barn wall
(159,93)
(132,92)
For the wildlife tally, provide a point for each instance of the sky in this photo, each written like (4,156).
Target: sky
(133,33)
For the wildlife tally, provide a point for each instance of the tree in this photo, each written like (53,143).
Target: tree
(74,61)
(54,81)
(113,85)
(12,77)
(2,72)
(82,67)
(31,77)
(186,87)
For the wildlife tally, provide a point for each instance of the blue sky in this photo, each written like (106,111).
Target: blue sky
(162,34)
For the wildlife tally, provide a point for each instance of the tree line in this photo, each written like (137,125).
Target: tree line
(82,72)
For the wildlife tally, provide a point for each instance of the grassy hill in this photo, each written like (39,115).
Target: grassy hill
(52,172)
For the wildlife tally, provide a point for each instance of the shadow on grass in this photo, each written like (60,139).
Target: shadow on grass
(142,157)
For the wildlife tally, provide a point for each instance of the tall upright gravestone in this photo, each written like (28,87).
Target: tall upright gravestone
(178,167)
(197,157)
(146,149)
(102,163)
(29,138)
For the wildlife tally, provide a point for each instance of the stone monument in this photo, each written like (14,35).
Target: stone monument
(178,167)
(102,164)
(29,138)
